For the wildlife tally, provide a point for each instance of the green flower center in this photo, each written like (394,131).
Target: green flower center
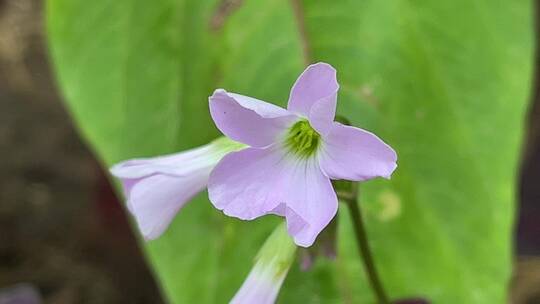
(302,139)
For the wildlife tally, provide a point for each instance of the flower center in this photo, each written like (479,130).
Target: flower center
(302,139)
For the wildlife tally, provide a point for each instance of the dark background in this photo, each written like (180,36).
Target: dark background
(61,228)
(64,237)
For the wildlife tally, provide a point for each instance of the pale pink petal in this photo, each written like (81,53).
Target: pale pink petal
(156,188)
(271,266)
(354,154)
(254,182)
(261,286)
(317,85)
(248,120)
(264,109)
(321,116)
(179,164)
(155,200)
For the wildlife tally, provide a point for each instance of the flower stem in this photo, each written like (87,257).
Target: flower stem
(363,246)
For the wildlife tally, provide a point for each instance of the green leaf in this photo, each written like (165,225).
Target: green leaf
(444,82)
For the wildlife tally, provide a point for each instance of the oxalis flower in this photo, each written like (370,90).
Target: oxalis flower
(271,266)
(157,188)
(293,154)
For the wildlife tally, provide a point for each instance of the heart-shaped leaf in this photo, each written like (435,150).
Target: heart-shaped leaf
(444,82)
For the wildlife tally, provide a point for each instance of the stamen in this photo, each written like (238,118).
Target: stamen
(302,139)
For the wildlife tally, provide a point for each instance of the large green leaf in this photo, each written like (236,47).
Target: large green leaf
(444,82)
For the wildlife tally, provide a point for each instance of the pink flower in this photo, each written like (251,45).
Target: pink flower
(157,188)
(271,266)
(292,156)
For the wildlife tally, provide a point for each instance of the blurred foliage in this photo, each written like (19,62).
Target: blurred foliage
(444,82)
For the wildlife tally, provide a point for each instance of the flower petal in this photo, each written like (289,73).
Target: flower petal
(238,185)
(261,286)
(254,182)
(316,85)
(156,188)
(179,164)
(272,264)
(354,154)
(248,120)
(155,200)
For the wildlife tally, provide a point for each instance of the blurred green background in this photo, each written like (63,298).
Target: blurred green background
(446,83)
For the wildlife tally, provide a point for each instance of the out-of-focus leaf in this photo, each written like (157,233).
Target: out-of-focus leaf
(444,82)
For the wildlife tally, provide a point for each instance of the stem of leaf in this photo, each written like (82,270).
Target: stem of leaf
(351,198)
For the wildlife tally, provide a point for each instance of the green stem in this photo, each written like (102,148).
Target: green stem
(351,199)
